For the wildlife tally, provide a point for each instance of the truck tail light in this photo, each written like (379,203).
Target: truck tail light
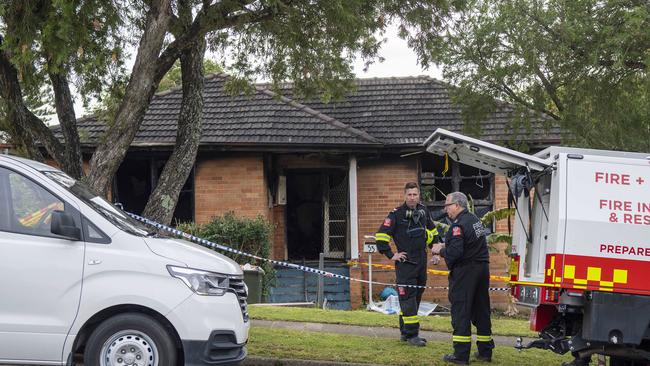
(550,295)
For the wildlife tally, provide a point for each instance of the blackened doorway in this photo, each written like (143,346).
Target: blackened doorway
(304,215)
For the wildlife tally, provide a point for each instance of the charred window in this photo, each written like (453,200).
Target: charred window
(137,177)
(440,176)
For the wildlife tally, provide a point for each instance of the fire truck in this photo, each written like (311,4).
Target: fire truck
(580,243)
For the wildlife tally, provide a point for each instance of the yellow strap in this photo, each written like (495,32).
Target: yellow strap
(483,338)
(382,237)
(462,339)
(410,319)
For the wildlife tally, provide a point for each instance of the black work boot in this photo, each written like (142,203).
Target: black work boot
(416,341)
(404,338)
(480,357)
(451,358)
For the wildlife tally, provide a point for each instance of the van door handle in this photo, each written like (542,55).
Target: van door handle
(93,262)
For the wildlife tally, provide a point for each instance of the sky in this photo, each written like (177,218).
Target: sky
(400,60)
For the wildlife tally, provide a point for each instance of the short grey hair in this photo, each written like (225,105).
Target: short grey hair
(459,197)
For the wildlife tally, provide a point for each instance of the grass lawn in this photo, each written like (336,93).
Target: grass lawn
(500,325)
(293,344)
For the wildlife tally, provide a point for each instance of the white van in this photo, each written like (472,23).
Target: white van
(79,277)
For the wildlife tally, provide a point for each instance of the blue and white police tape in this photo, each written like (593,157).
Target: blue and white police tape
(212,245)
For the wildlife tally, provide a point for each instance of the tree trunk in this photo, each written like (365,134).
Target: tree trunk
(109,154)
(20,115)
(23,140)
(163,200)
(73,163)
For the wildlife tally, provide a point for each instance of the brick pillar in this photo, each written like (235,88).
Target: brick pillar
(380,189)
(279,230)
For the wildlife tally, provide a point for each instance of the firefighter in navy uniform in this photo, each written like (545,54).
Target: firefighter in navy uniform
(466,253)
(412,230)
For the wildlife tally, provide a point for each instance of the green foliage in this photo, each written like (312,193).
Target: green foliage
(496,238)
(427,193)
(496,215)
(245,234)
(487,220)
(109,100)
(582,63)
(83,39)
(173,77)
(314,44)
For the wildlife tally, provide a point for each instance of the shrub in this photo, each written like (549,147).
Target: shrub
(248,235)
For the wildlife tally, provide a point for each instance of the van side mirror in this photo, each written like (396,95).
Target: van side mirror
(63,224)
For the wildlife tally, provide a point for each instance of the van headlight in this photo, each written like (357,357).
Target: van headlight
(201,282)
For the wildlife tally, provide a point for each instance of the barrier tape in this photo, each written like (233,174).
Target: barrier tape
(211,245)
(430,271)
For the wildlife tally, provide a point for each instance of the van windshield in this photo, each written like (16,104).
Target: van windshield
(110,212)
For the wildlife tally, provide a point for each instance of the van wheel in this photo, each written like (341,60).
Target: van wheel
(130,339)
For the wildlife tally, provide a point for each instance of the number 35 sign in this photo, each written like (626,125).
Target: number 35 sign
(369,248)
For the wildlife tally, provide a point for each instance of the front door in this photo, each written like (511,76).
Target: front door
(40,274)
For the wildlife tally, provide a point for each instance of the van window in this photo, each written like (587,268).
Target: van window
(101,206)
(93,234)
(29,206)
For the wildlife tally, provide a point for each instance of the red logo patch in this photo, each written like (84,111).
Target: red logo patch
(387,222)
(456,231)
(401,290)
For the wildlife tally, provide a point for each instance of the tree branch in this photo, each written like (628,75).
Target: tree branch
(199,28)
(73,164)
(110,153)
(550,88)
(523,102)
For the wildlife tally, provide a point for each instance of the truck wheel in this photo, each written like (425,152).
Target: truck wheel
(130,339)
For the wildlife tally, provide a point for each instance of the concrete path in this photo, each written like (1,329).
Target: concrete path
(371,331)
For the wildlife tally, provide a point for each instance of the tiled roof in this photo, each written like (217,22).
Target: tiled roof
(257,119)
(406,110)
(382,111)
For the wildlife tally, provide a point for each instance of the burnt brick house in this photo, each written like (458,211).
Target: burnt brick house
(324,175)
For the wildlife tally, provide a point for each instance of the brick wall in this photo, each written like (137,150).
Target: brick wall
(381,188)
(232,183)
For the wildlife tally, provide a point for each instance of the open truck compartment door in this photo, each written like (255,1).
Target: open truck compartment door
(531,222)
(480,154)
